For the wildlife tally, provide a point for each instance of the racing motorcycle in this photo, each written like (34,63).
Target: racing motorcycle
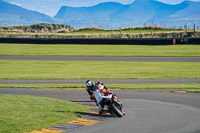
(114,106)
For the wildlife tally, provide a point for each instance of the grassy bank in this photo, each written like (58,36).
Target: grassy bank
(99,50)
(97,70)
(193,91)
(125,30)
(110,86)
(92,33)
(27,113)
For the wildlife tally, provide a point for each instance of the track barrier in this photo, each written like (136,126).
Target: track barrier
(122,41)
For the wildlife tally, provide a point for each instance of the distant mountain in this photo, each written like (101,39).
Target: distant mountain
(145,10)
(14,15)
(101,11)
(88,16)
(115,15)
(190,13)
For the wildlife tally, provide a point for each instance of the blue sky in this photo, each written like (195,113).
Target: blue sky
(51,7)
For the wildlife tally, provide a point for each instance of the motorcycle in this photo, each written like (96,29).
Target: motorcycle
(114,106)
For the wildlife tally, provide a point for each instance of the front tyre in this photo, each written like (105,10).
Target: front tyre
(116,109)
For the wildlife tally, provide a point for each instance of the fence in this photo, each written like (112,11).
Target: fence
(122,41)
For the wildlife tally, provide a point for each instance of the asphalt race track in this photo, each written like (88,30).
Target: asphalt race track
(107,58)
(148,111)
(144,116)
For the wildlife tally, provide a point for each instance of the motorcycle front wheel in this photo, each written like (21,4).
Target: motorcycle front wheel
(116,109)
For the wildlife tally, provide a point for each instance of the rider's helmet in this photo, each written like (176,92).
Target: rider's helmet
(89,85)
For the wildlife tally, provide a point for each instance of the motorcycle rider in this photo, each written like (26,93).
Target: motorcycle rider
(98,93)
(90,88)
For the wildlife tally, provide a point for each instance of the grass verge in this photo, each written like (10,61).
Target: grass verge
(99,50)
(27,113)
(97,70)
(110,86)
(193,91)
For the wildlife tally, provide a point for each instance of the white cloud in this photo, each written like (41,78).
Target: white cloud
(175,1)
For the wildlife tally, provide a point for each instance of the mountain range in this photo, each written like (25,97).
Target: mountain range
(11,14)
(107,15)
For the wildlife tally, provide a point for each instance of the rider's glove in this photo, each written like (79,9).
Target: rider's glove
(91,97)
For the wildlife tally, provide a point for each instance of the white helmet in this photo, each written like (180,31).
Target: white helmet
(89,83)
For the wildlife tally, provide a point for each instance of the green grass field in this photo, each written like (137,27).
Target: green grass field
(193,91)
(26,113)
(94,70)
(99,50)
(110,86)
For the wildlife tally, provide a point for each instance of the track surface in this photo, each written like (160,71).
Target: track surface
(96,58)
(148,111)
(150,117)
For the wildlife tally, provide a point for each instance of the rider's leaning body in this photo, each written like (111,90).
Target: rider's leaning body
(98,92)
(91,86)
